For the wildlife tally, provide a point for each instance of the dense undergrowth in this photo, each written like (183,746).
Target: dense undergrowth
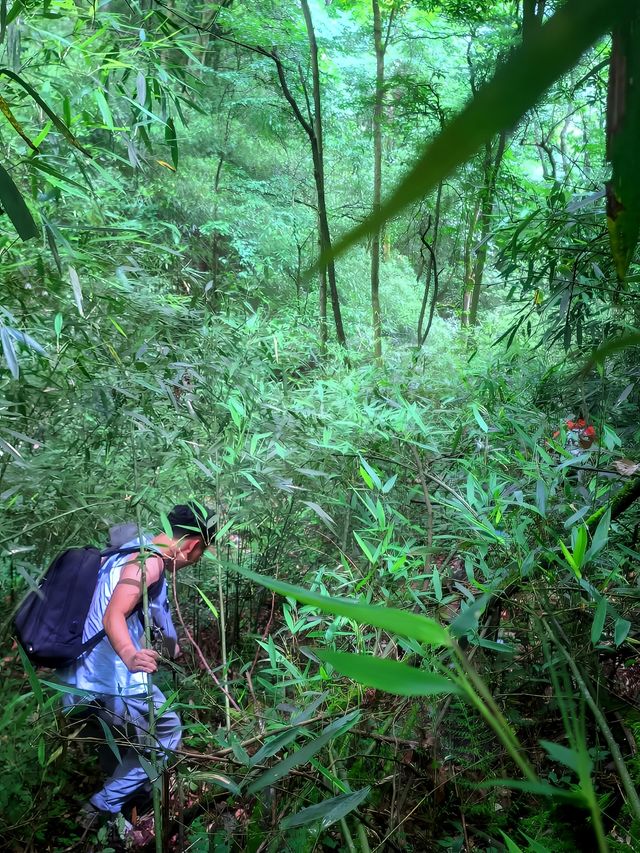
(418,627)
(435,486)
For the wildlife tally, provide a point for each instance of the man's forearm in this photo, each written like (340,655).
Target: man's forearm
(117,630)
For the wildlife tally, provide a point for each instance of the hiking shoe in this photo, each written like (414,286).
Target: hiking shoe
(90,817)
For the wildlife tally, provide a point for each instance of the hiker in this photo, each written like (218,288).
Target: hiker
(114,673)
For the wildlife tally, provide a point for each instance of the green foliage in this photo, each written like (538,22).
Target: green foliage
(450,622)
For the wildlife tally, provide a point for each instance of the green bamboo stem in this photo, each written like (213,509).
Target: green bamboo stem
(614,749)
(479,696)
(153,752)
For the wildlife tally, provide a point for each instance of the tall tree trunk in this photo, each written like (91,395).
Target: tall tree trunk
(467,287)
(532,15)
(317,150)
(323,311)
(377,179)
(492,167)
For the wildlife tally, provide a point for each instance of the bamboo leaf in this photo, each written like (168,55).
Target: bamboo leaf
(481,421)
(512,847)
(9,352)
(172,141)
(77,290)
(105,109)
(597,626)
(321,514)
(563,755)
(13,121)
(392,676)
(60,125)
(141,89)
(208,602)
(111,742)
(273,746)
(305,753)
(621,630)
(390,619)
(601,536)
(632,339)
(328,811)
(15,207)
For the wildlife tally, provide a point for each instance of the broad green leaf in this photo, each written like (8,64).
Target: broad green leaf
(632,339)
(111,741)
(621,630)
(597,626)
(580,545)
(389,484)
(9,352)
(141,88)
(481,421)
(105,109)
(469,616)
(601,536)
(216,779)
(328,811)
(437,585)
(495,646)
(274,745)
(388,618)
(302,755)
(535,846)
(77,290)
(172,141)
(392,676)
(541,497)
(500,103)
(366,549)
(31,675)
(166,525)
(321,514)
(512,847)
(569,558)
(543,789)
(375,479)
(208,602)
(60,125)
(563,755)
(15,207)
(576,516)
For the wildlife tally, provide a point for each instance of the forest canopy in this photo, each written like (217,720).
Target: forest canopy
(362,276)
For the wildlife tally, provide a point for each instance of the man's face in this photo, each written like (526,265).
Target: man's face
(189,551)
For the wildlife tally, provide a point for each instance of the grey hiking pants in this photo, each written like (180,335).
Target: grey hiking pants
(130,716)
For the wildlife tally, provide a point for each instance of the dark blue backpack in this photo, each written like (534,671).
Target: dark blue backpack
(50,621)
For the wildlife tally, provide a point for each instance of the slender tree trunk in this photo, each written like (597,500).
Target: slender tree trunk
(323,312)
(427,283)
(377,179)
(467,287)
(492,167)
(317,150)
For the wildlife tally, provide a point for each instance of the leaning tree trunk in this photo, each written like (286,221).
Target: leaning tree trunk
(430,271)
(317,149)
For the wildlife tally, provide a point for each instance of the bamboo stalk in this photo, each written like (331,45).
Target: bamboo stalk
(151,740)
